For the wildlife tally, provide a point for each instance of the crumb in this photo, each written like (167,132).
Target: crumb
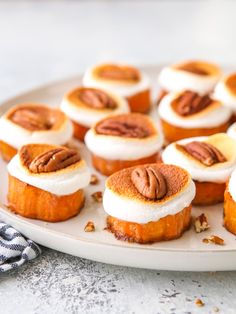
(216,309)
(89,227)
(214,239)
(94,179)
(97,196)
(199,302)
(201,223)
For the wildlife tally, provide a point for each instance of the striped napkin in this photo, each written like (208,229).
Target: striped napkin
(15,250)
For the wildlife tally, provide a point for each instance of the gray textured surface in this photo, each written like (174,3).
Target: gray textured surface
(45,40)
(59,283)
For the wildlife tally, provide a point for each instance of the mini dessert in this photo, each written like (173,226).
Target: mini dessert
(123,141)
(85,106)
(46,182)
(209,160)
(187,114)
(197,76)
(32,123)
(124,80)
(149,203)
(225,92)
(230,204)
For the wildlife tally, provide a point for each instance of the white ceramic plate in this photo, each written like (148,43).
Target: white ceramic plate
(186,254)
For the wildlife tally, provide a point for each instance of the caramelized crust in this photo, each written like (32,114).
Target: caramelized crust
(167,228)
(7,151)
(115,72)
(108,167)
(174,133)
(208,193)
(92,99)
(36,117)
(200,68)
(176,181)
(31,202)
(229,212)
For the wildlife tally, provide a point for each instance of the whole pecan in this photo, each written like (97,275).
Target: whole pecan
(31,119)
(206,153)
(117,72)
(121,128)
(149,182)
(96,99)
(53,160)
(189,103)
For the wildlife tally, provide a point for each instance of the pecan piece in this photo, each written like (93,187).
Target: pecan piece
(31,119)
(121,128)
(214,239)
(117,72)
(206,153)
(199,303)
(96,99)
(53,160)
(90,227)
(201,223)
(149,182)
(94,179)
(190,103)
(97,196)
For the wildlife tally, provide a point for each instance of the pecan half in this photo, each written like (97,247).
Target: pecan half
(96,99)
(31,119)
(121,128)
(206,153)
(53,160)
(149,182)
(190,103)
(117,72)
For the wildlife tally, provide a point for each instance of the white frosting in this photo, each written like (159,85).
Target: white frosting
(223,94)
(232,131)
(121,148)
(88,116)
(123,89)
(16,136)
(58,182)
(212,118)
(130,210)
(217,174)
(171,79)
(232,185)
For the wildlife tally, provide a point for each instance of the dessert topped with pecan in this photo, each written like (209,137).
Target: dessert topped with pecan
(189,103)
(117,72)
(198,68)
(204,152)
(127,125)
(39,159)
(35,117)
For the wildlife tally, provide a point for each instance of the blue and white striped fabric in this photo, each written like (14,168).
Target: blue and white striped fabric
(15,250)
